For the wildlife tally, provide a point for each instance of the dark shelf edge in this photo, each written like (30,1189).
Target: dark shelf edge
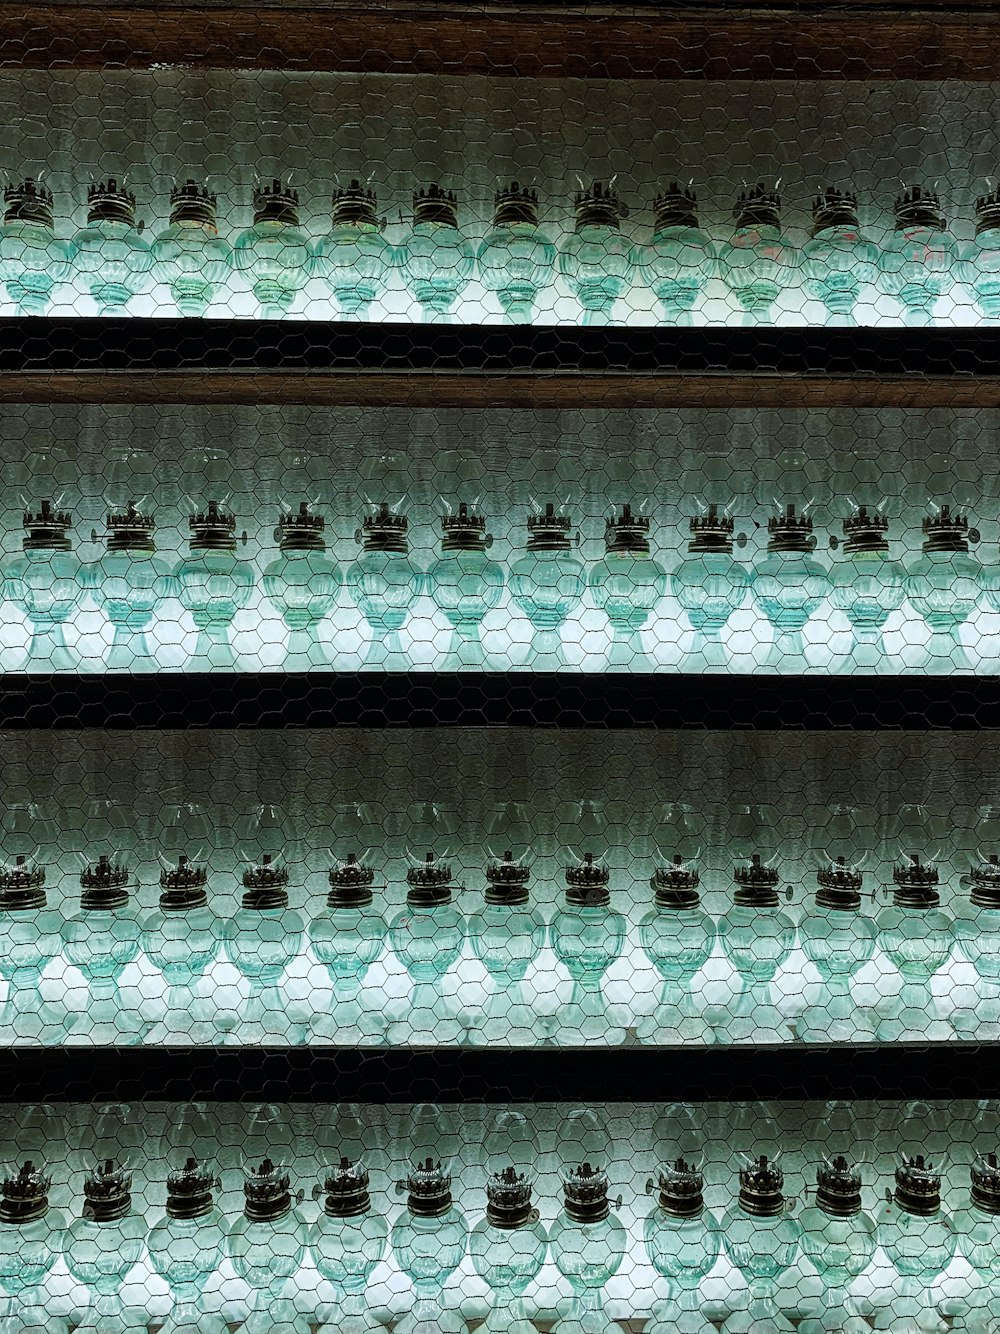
(706,1074)
(499,699)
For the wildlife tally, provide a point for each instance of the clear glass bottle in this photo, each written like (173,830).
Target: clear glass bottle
(47,583)
(920,1241)
(978,1230)
(596,259)
(683,1242)
(918,257)
(977,929)
(547,583)
(266,1245)
(128,583)
(917,935)
(678,937)
(31,1241)
(183,938)
(187,1245)
(213,585)
(436,259)
(464,583)
(837,261)
(101,940)
(762,1240)
(507,935)
(710,585)
(838,938)
(944,587)
(383,581)
(347,1243)
(102,1245)
(758,263)
(273,254)
(868,586)
(354,259)
(110,254)
(588,1241)
(33,260)
(427,936)
(627,584)
(262,939)
(789,585)
(757,937)
(190,256)
(587,937)
(978,259)
(516,258)
(302,583)
(30,938)
(430,1237)
(509,1244)
(680,259)
(347,937)
(839,1239)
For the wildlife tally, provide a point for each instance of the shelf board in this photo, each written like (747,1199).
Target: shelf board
(626,1074)
(314,362)
(867,39)
(498,699)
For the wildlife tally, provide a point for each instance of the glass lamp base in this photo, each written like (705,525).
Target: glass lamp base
(749,1016)
(980,1020)
(123,1320)
(265,1031)
(30,1019)
(33,1320)
(351,1026)
(507,1024)
(507,1317)
(589,1322)
(584,1020)
(108,1023)
(428,1317)
(358,1322)
(914,1018)
(670,1026)
(835,1322)
(279,1317)
(182,1030)
(750,1321)
(195,1322)
(823,1022)
(668,1318)
(430,1019)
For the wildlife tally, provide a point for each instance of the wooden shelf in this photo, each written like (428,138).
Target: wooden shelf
(647,40)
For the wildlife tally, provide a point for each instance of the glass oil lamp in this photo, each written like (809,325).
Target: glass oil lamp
(347,938)
(47,583)
(627,584)
(761,1239)
(680,259)
(979,259)
(31,1239)
(710,585)
(354,259)
(596,259)
(919,256)
(587,936)
(30,937)
(427,936)
(916,934)
(436,259)
(266,1245)
(383,582)
(262,939)
(757,263)
(183,938)
(978,1229)
(102,1245)
(128,583)
(838,938)
(273,254)
(977,929)
(944,587)
(837,261)
(547,583)
(516,258)
(464,583)
(186,1247)
(348,1241)
(678,936)
(839,1239)
(588,1241)
(102,939)
(110,254)
(213,585)
(509,1243)
(190,256)
(757,937)
(430,1237)
(867,586)
(302,583)
(920,1241)
(33,260)
(789,585)
(682,1237)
